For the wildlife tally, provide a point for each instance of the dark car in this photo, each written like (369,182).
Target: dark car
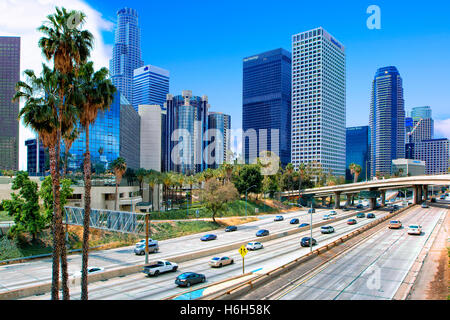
(230,229)
(303,225)
(433,200)
(262,233)
(359,206)
(346,209)
(278,218)
(306,242)
(208,237)
(351,221)
(294,221)
(312,210)
(361,215)
(189,278)
(370,215)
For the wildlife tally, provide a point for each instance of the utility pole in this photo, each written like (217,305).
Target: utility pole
(310,227)
(146,237)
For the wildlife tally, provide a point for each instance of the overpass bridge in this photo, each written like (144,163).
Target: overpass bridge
(376,188)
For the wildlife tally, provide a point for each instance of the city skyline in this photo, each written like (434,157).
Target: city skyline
(361,56)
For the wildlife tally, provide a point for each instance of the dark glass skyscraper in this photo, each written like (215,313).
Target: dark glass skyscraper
(115,133)
(387,120)
(36,165)
(185,130)
(9,111)
(267,104)
(126,52)
(357,141)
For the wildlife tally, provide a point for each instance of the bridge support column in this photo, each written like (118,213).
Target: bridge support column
(353,199)
(348,197)
(337,200)
(415,196)
(425,193)
(324,201)
(373,203)
(419,194)
(383,198)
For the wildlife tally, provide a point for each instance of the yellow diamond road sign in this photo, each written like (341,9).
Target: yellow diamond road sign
(243,251)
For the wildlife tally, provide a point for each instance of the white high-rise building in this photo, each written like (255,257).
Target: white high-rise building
(318,101)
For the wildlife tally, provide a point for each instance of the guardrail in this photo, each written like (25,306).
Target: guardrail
(127,270)
(248,285)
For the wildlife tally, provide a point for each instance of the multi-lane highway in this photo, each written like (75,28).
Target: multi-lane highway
(275,253)
(374,269)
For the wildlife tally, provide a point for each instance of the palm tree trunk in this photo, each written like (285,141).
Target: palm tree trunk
(87,212)
(55,230)
(116,196)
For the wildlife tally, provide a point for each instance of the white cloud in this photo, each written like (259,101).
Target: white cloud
(442,128)
(22,18)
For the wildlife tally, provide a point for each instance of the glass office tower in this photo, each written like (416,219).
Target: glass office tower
(115,133)
(36,165)
(9,111)
(386,120)
(219,126)
(126,52)
(421,113)
(357,140)
(186,127)
(267,105)
(318,101)
(150,86)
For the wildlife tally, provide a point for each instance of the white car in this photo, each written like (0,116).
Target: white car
(332,213)
(254,245)
(150,241)
(415,229)
(90,270)
(327,217)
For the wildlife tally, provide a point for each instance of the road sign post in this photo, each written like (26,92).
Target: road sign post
(243,251)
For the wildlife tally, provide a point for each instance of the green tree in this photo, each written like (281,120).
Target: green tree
(24,207)
(46,194)
(249,175)
(216,195)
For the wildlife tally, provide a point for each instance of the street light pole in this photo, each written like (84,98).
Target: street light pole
(310,227)
(146,238)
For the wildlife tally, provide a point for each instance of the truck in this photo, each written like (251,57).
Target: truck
(158,267)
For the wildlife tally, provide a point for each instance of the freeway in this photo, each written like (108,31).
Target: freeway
(372,270)
(275,253)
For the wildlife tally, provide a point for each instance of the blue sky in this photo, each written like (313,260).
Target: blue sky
(202,44)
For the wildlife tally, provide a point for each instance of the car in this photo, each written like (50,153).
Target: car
(359,206)
(303,225)
(208,237)
(254,246)
(150,241)
(262,233)
(140,248)
(158,267)
(370,215)
(395,224)
(230,228)
(294,221)
(351,221)
(425,205)
(327,229)
(346,209)
(312,210)
(396,207)
(327,217)
(90,270)
(442,197)
(415,229)
(219,262)
(189,278)
(433,200)
(332,213)
(305,242)
(278,218)
(361,215)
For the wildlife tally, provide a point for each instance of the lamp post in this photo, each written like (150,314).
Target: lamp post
(246,199)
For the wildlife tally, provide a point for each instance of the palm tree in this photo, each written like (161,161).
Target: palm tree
(41,101)
(355,169)
(68,47)
(228,167)
(141,173)
(119,167)
(151,178)
(95,93)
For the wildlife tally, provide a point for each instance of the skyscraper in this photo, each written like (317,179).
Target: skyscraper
(126,52)
(357,140)
(36,164)
(151,146)
(421,113)
(435,153)
(318,101)
(386,120)
(267,105)
(115,133)
(150,86)
(9,111)
(219,126)
(186,127)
